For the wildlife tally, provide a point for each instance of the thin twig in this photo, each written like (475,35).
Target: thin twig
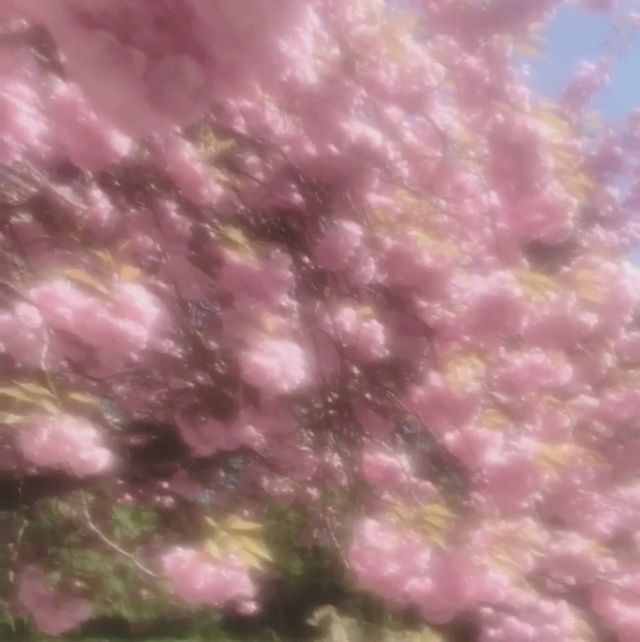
(111,544)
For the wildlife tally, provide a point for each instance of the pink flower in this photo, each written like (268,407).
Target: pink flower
(474,446)
(194,178)
(250,280)
(90,142)
(589,79)
(134,303)
(23,334)
(198,579)
(617,601)
(119,327)
(620,405)
(206,436)
(358,331)
(68,443)
(445,405)
(589,511)
(547,216)
(560,323)
(494,307)
(574,558)
(512,480)
(52,612)
(396,565)
(628,347)
(385,469)
(533,371)
(276,366)
(339,245)
(411,266)
(532,620)
(385,559)
(456,584)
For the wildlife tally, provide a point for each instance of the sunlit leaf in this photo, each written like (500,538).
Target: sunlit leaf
(438,516)
(553,118)
(104,256)
(35,389)
(255,546)
(242,525)
(84,397)
(535,285)
(86,279)
(10,419)
(234,235)
(213,549)
(17,394)
(494,419)
(269,324)
(130,272)
(464,369)
(530,49)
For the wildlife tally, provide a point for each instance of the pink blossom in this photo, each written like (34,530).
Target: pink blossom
(628,347)
(573,558)
(533,371)
(250,280)
(512,480)
(616,601)
(119,328)
(444,405)
(198,579)
(276,366)
(206,436)
(21,110)
(22,333)
(385,469)
(560,323)
(86,139)
(621,405)
(355,245)
(67,443)
(589,511)
(554,620)
(547,216)
(455,584)
(396,565)
(411,266)
(385,559)
(339,246)
(357,330)
(198,181)
(589,78)
(494,306)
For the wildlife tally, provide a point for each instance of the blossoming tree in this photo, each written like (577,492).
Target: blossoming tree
(301,284)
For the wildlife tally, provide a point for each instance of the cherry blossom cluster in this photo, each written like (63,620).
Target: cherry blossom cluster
(332,255)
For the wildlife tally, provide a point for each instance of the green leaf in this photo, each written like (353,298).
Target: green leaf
(255,547)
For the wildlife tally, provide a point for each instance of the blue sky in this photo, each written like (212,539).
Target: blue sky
(576,35)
